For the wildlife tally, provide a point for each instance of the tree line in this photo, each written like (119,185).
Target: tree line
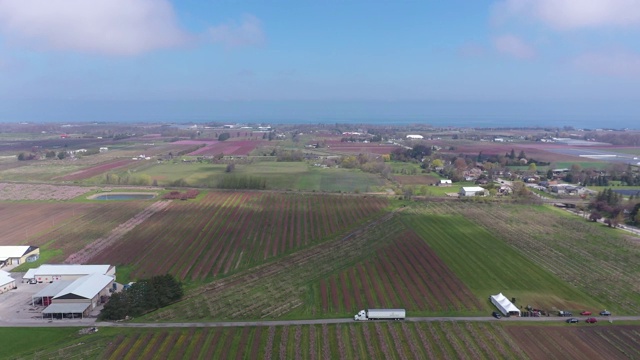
(142,297)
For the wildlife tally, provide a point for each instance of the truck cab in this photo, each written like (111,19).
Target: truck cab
(361,315)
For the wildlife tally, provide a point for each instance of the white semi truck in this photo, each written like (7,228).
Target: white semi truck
(380,314)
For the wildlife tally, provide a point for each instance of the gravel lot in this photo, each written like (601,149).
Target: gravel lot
(15,305)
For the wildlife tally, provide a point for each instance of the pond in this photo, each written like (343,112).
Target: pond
(123,196)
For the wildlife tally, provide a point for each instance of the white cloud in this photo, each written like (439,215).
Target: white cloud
(575,14)
(620,64)
(114,27)
(513,46)
(246,33)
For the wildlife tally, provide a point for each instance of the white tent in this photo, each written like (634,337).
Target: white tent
(505,306)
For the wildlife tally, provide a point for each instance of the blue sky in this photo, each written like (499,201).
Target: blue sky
(533,60)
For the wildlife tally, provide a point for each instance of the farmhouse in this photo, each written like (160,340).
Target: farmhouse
(505,306)
(444,182)
(51,273)
(415,137)
(6,282)
(471,191)
(16,255)
(76,297)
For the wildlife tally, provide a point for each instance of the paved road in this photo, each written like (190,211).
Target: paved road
(92,322)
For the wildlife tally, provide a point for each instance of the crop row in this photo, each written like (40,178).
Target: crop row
(583,342)
(279,287)
(225,231)
(488,265)
(583,254)
(86,224)
(20,221)
(406,273)
(94,248)
(20,192)
(434,340)
(96,170)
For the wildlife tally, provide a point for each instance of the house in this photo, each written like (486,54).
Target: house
(564,189)
(471,191)
(16,255)
(51,273)
(505,306)
(6,282)
(472,174)
(104,149)
(445,182)
(415,137)
(76,297)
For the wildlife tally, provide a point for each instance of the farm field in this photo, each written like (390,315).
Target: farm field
(444,190)
(278,175)
(96,170)
(578,342)
(226,231)
(404,274)
(390,340)
(600,262)
(20,221)
(336,146)
(282,288)
(229,147)
(87,223)
(421,179)
(488,265)
(35,192)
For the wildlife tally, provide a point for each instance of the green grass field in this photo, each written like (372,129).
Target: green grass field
(488,266)
(443,190)
(16,340)
(278,175)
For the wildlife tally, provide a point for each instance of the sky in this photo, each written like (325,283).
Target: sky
(475,61)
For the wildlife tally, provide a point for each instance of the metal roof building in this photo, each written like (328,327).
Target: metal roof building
(18,254)
(50,273)
(74,298)
(6,282)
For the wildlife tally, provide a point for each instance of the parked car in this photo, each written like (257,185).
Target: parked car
(591,321)
(572,321)
(496,315)
(605,313)
(585,313)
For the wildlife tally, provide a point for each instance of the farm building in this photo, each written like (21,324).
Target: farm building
(445,182)
(76,297)
(415,137)
(51,273)
(505,306)
(6,282)
(471,191)
(15,255)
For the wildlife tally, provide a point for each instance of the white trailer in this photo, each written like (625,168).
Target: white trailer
(380,314)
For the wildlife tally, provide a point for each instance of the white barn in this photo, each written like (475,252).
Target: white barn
(471,191)
(415,137)
(51,273)
(16,255)
(445,182)
(505,306)
(77,297)
(6,282)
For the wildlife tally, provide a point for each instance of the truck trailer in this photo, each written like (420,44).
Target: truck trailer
(380,314)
